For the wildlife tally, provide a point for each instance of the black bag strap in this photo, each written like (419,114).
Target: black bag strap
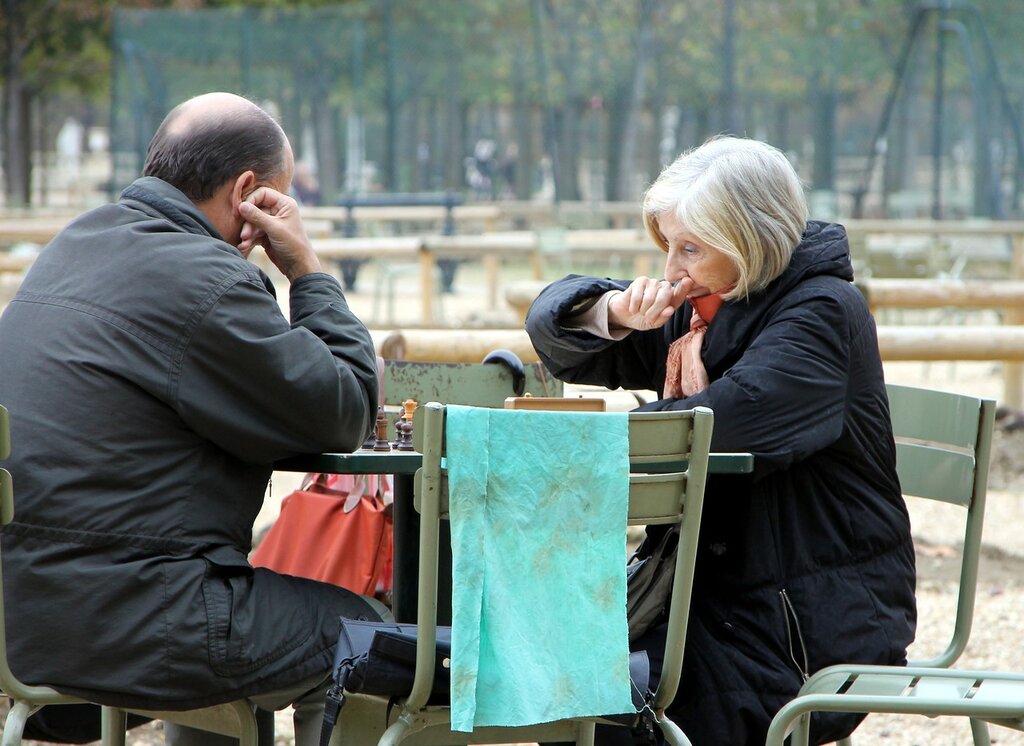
(332,708)
(335,699)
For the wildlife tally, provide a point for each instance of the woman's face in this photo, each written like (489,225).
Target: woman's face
(710,270)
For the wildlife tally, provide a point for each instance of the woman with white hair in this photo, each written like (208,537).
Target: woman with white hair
(808,561)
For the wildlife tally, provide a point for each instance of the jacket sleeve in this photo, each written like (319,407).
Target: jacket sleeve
(576,356)
(262,390)
(785,397)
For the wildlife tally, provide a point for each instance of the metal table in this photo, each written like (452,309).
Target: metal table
(403,465)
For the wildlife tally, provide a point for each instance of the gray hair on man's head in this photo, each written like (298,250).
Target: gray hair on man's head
(742,197)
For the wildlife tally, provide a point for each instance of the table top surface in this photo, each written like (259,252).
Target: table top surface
(407,462)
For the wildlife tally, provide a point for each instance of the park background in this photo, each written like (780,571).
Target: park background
(559,113)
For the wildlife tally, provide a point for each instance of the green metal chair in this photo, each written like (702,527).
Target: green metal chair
(655,498)
(27,699)
(943,446)
(471,384)
(233,719)
(236,719)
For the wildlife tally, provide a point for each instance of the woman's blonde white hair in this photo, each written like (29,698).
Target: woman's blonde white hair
(741,197)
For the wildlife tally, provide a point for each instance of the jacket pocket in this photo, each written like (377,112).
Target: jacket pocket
(241,637)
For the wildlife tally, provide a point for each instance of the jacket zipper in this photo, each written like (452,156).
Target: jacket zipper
(792,623)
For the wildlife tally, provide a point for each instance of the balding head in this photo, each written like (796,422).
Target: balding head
(210,139)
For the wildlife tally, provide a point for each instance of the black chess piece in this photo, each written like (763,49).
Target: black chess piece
(404,426)
(405,439)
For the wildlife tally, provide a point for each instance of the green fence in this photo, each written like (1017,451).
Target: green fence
(573,99)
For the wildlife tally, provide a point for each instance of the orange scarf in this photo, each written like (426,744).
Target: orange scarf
(684,369)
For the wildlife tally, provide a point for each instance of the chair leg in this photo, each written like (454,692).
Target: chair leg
(14,725)
(397,731)
(248,729)
(672,732)
(113,724)
(801,735)
(585,733)
(979,730)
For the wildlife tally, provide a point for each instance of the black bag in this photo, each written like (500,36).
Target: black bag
(649,576)
(77,723)
(380,658)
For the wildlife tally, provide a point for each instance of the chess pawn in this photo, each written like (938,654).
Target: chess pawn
(405,439)
(397,424)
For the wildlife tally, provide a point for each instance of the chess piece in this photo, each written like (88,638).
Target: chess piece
(404,427)
(405,437)
(381,442)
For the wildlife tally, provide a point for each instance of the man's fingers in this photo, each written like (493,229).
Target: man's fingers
(253,215)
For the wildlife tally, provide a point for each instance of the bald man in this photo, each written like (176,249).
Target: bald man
(152,381)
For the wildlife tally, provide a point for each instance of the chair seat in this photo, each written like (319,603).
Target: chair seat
(990,695)
(228,719)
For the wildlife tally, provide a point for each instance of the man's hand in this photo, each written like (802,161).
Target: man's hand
(272,221)
(647,303)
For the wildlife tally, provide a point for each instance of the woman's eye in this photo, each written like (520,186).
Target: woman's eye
(689,248)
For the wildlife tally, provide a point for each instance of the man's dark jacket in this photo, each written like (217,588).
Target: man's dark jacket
(809,561)
(152,380)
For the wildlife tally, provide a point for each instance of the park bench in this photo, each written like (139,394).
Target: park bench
(445,200)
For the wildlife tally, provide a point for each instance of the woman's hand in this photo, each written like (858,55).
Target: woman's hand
(647,303)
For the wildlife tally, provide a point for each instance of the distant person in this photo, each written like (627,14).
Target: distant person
(809,561)
(305,187)
(69,155)
(508,168)
(481,178)
(152,383)
(423,165)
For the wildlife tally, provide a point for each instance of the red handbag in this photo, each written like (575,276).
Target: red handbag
(336,528)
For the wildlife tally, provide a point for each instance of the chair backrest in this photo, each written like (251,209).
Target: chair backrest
(9,683)
(943,447)
(668,454)
(471,384)
(29,698)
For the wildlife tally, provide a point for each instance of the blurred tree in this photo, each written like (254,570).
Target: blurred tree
(53,46)
(47,46)
(607,89)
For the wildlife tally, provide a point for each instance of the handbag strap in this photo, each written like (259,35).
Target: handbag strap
(335,699)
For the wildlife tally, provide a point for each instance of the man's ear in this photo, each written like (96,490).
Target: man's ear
(243,185)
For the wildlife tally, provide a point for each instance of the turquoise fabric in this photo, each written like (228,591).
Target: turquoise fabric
(539,588)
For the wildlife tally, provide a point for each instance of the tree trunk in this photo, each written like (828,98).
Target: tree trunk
(391,102)
(781,137)
(435,138)
(616,125)
(523,129)
(324,134)
(567,126)
(823,105)
(568,115)
(730,119)
(454,150)
(632,96)
(16,113)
